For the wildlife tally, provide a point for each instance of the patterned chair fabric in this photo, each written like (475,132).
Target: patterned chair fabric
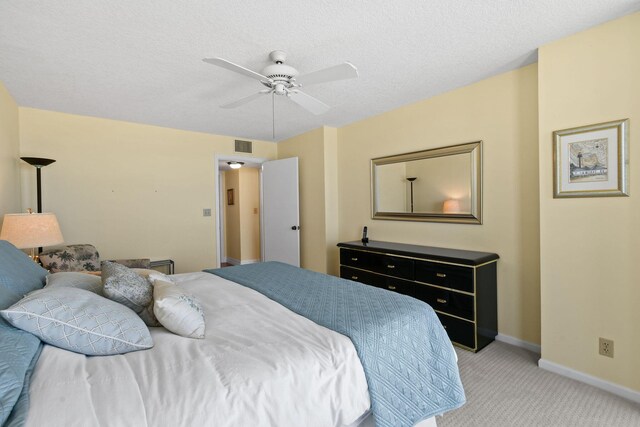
(71,258)
(82,257)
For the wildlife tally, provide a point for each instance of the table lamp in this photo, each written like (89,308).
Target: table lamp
(451,206)
(31,230)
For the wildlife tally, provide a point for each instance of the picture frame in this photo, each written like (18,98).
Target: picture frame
(592,161)
(230,196)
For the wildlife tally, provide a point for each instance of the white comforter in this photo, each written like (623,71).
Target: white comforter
(259,365)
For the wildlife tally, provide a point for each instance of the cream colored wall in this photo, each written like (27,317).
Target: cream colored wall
(232,216)
(309,148)
(249,204)
(331,207)
(590,247)
(501,111)
(132,190)
(9,155)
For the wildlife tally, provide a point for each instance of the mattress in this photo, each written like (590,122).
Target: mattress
(259,365)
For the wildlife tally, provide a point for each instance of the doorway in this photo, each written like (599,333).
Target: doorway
(238,213)
(269,228)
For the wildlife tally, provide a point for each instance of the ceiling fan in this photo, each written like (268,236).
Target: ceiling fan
(281,79)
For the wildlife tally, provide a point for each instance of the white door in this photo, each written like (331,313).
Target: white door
(280,218)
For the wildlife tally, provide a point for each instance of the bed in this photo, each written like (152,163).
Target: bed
(260,364)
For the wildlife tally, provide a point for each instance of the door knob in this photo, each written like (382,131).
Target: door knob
(295,227)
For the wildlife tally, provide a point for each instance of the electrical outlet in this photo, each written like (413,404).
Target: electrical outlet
(206,212)
(606,347)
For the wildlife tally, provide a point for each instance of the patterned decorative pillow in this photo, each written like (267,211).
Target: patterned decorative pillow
(71,258)
(123,285)
(178,311)
(69,279)
(80,321)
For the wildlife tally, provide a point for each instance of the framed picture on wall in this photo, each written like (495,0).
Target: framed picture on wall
(230,196)
(592,161)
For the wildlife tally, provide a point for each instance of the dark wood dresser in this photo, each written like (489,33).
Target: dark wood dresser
(460,285)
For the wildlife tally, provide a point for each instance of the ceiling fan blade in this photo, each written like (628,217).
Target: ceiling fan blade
(342,71)
(244,100)
(308,102)
(235,68)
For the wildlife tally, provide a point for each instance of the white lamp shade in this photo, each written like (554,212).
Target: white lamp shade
(33,230)
(451,206)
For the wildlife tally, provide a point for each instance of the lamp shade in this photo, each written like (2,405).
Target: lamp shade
(451,206)
(31,230)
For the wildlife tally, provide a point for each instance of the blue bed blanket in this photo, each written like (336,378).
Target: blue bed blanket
(408,359)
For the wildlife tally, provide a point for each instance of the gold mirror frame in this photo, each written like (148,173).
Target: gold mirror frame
(475,173)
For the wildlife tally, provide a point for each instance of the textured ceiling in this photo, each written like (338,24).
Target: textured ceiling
(140,61)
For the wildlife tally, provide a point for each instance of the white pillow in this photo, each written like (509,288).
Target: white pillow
(152,275)
(177,311)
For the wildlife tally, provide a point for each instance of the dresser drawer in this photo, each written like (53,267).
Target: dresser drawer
(450,302)
(459,331)
(365,277)
(353,258)
(392,266)
(402,286)
(448,276)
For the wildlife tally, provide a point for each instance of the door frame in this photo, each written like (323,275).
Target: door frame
(218,217)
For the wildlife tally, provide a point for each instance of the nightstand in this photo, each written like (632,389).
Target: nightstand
(166,266)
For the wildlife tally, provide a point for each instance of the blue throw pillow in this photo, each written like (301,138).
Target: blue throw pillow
(19,350)
(19,275)
(80,321)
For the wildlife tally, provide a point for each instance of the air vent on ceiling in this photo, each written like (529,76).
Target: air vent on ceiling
(243,146)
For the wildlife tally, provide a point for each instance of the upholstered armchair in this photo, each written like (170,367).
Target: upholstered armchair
(83,257)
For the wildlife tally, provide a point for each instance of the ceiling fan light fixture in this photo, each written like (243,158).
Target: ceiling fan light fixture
(235,165)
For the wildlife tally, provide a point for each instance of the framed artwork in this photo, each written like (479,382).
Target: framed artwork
(592,161)
(230,196)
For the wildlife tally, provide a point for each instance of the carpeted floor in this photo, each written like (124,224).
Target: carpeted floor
(505,387)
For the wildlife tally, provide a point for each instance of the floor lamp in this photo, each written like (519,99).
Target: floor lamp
(411,182)
(39,163)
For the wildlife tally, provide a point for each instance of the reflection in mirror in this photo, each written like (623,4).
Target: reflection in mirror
(441,185)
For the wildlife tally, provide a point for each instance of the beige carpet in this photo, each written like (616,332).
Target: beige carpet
(505,387)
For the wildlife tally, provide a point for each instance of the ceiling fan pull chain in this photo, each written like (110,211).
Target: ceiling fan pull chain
(273,109)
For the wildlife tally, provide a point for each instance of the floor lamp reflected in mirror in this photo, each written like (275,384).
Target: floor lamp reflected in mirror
(39,163)
(411,182)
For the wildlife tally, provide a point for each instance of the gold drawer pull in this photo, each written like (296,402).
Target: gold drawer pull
(354,277)
(391,266)
(354,259)
(393,288)
(441,275)
(441,300)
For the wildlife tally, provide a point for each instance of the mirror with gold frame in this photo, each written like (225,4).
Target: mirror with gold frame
(439,185)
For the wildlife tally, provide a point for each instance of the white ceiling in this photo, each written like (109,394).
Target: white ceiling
(140,61)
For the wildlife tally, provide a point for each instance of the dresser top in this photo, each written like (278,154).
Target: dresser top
(426,252)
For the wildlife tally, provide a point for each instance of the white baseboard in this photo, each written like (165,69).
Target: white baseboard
(616,389)
(234,261)
(519,343)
